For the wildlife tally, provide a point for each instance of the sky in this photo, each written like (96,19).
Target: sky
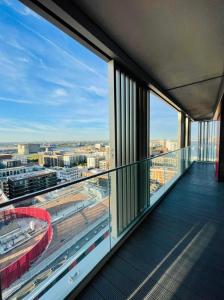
(163,119)
(53,88)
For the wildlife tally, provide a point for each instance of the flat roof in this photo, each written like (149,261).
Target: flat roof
(30,174)
(10,159)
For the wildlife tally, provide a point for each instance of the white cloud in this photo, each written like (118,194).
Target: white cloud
(97,90)
(14,43)
(60,92)
(60,49)
(21,9)
(21,101)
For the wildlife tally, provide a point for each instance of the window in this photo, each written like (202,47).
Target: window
(54,106)
(163,126)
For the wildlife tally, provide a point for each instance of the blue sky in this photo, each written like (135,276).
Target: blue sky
(163,119)
(53,88)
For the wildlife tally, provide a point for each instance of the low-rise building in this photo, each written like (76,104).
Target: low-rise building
(22,184)
(68,174)
(51,160)
(159,175)
(11,163)
(71,159)
(104,164)
(18,170)
(92,162)
(5,156)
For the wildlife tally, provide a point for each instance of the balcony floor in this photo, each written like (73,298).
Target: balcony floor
(177,252)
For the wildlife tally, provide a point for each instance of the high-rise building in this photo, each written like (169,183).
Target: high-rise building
(25,149)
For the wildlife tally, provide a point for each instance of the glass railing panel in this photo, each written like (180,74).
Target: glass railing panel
(129,197)
(49,243)
(171,168)
(157,178)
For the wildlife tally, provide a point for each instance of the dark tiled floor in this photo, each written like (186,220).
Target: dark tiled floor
(177,252)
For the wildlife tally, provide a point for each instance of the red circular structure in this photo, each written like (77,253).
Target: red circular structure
(17,268)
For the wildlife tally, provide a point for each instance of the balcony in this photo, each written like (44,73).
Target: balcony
(166,251)
(55,238)
(176,253)
(151,226)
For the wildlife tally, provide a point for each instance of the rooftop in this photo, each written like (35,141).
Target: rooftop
(31,174)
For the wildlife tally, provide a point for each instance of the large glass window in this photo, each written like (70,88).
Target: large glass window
(54,100)
(163,126)
(163,138)
(53,130)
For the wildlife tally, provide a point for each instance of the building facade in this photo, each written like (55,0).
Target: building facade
(24,149)
(68,174)
(18,185)
(11,163)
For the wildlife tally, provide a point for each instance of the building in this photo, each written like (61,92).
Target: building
(92,162)
(23,158)
(167,161)
(5,156)
(68,174)
(51,160)
(22,184)
(104,164)
(171,145)
(18,170)
(25,149)
(98,146)
(11,163)
(159,175)
(71,159)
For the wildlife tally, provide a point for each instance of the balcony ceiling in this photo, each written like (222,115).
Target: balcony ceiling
(178,43)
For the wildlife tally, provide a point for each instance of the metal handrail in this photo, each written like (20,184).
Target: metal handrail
(62,185)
